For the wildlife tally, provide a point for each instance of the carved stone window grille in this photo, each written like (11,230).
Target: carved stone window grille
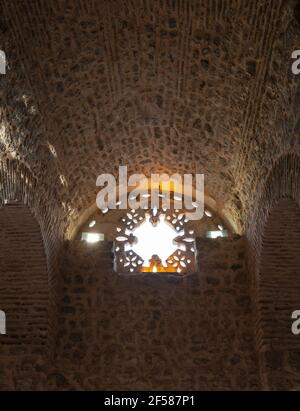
(181,262)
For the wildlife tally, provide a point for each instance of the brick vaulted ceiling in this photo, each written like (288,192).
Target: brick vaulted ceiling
(175,86)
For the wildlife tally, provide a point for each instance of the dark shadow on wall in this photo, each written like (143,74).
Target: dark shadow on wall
(279,296)
(23,297)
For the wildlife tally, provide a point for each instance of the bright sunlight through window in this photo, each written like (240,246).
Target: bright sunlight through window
(155,240)
(92,237)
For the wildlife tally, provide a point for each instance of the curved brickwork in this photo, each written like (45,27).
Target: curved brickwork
(19,185)
(282,182)
(159,86)
(164,86)
(24,296)
(273,238)
(279,296)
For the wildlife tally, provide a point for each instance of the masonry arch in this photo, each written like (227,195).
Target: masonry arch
(283,181)
(279,296)
(24,295)
(274,240)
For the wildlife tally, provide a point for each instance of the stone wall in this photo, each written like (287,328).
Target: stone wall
(278,295)
(24,297)
(167,86)
(152,331)
(176,86)
(273,241)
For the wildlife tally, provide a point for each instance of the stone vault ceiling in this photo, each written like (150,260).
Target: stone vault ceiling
(164,85)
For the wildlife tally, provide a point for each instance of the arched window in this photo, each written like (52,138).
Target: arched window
(151,240)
